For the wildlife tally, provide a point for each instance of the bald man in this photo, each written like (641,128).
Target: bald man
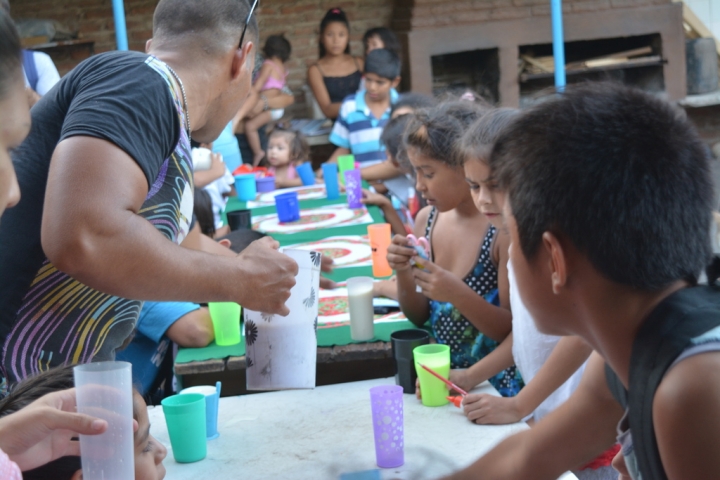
(107,194)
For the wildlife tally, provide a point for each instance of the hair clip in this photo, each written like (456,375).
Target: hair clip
(335,10)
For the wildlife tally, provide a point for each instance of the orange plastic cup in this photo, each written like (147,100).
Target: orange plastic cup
(379,242)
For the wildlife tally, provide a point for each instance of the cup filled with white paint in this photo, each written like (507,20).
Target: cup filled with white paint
(360,300)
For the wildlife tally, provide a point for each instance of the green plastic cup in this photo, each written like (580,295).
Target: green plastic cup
(226,322)
(437,357)
(345,162)
(185,418)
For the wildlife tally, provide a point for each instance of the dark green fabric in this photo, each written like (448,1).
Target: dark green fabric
(211,352)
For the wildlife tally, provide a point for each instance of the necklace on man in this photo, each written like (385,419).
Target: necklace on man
(185,102)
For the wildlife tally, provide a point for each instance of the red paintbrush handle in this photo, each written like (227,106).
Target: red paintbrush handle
(444,380)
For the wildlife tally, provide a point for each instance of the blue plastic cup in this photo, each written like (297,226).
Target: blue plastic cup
(212,401)
(288,207)
(245,187)
(330,173)
(306,173)
(353,188)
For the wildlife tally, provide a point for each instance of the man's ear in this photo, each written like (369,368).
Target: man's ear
(77,475)
(396,82)
(225,243)
(242,60)
(557,261)
(148,45)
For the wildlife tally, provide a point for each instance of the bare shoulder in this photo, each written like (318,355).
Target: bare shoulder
(686,417)
(500,247)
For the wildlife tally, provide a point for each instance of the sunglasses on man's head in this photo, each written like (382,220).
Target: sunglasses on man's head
(247,21)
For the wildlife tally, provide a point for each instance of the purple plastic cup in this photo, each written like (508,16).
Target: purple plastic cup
(387,414)
(353,188)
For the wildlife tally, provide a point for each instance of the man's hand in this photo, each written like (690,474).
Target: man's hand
(485,409)
(43,431)
(437,283)
(400,254)
(266,277)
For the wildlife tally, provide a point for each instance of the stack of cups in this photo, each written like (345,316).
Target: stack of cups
(212,404)
(104,390)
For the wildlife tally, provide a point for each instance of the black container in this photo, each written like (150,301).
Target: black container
(403,343)
(239,219)
(702,66)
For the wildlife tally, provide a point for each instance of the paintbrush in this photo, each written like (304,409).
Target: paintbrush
(444,380)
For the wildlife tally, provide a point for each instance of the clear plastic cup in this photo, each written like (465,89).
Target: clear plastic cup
(104,390)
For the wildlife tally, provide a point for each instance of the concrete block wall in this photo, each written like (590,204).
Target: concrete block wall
(430,13)
(297,19)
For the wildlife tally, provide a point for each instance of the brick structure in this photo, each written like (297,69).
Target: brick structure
(297,19)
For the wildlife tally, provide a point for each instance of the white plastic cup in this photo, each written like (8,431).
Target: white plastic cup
(362,314)
(282,351)
(104,390)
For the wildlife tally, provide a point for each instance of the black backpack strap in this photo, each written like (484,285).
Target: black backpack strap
(666,333)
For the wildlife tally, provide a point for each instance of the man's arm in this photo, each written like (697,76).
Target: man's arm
(686,416)
(574,434)
(92,231)
(194,329)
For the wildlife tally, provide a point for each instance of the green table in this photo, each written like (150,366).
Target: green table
(334,342)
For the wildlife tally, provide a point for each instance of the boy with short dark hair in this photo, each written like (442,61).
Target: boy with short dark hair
(364,114)
(608,202)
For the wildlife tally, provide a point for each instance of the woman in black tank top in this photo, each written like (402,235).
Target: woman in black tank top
(337,73)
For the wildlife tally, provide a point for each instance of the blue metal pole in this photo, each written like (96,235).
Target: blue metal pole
(120,30)
(558,44)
